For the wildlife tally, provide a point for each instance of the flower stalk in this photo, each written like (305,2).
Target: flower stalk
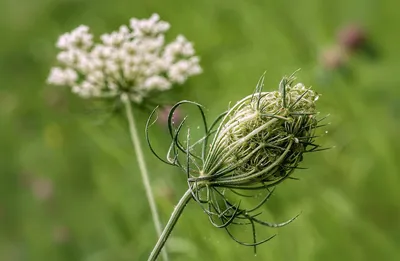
(178,210)
(143,169)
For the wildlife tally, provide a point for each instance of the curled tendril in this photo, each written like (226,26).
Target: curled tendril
(256,145)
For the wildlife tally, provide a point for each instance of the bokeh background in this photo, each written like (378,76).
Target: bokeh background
(69,183)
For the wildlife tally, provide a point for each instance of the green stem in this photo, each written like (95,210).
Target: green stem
(170,225)
(143,169)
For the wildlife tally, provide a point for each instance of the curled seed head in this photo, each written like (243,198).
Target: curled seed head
(256,145)
(263,137)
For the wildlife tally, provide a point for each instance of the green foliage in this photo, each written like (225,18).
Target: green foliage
(69,184)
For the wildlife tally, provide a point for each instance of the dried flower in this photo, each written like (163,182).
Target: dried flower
(134,60)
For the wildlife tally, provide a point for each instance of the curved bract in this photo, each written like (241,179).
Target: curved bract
(255,145)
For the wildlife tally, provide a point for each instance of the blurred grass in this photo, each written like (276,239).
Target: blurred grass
(69,187)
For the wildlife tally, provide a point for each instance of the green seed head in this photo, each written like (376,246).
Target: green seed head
(261,140)
(256,145)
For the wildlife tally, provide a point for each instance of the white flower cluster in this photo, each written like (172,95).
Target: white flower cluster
(134,60)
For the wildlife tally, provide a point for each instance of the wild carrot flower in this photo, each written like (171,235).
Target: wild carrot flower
(256,144)
(134,60)
(130,65)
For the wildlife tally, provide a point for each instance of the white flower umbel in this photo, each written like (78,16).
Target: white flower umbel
(130,64)
(133,60)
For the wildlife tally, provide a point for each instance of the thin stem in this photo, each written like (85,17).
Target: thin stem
(170,225)
(143,169)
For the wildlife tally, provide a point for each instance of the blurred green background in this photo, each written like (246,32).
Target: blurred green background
(69,183)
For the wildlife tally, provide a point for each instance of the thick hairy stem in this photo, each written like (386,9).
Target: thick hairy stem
(170,225)
(143,169)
